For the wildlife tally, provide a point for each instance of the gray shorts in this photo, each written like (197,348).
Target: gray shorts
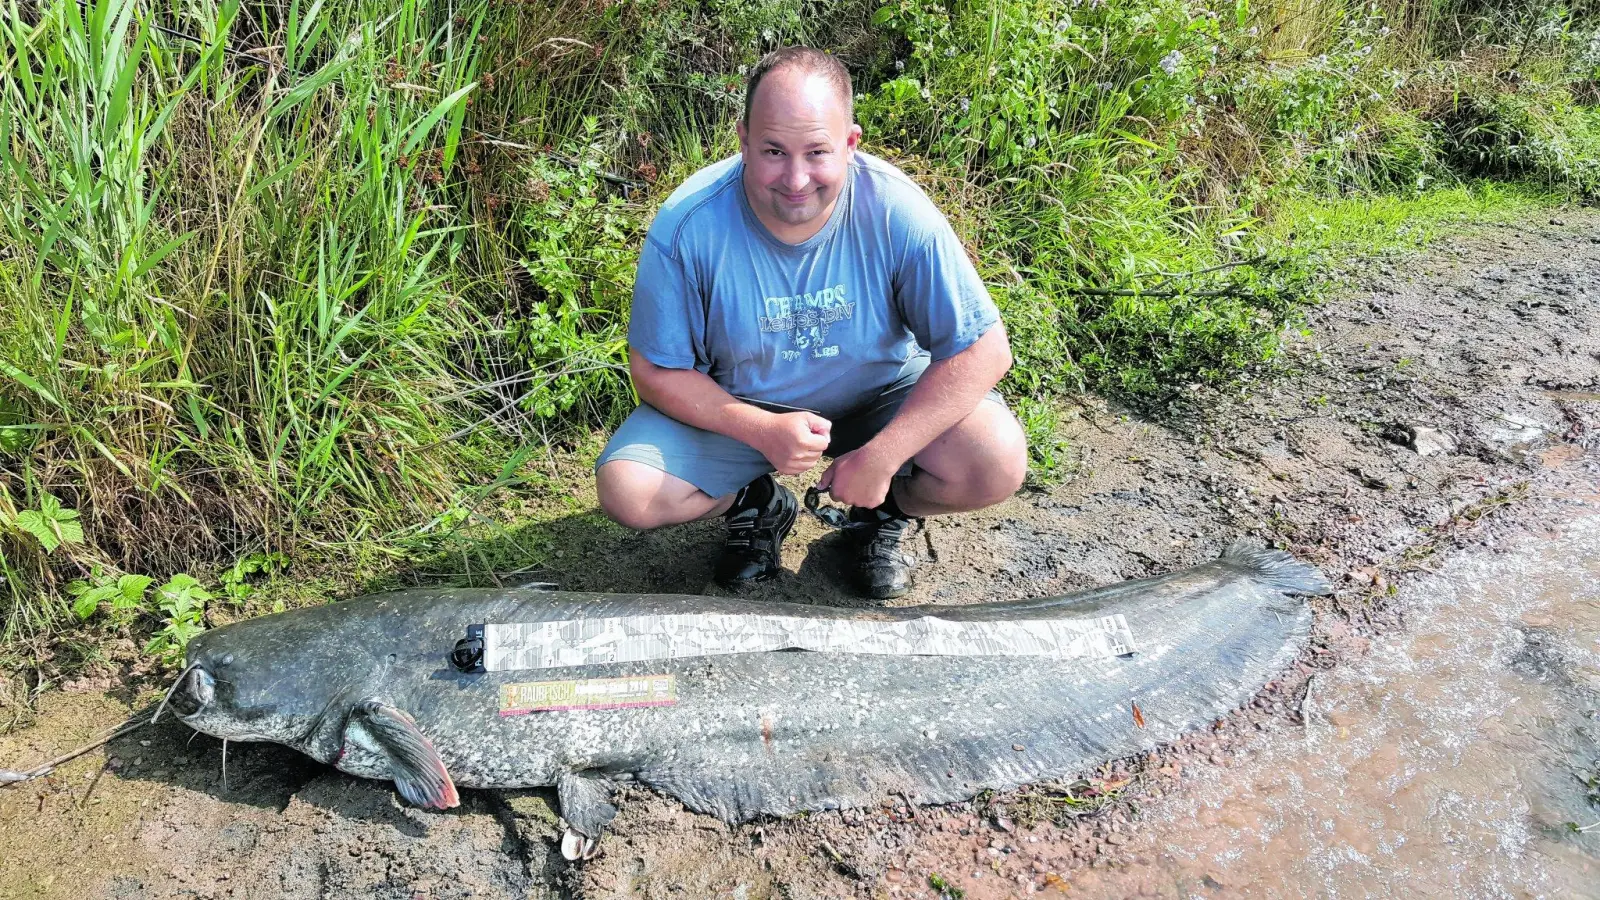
(719,465)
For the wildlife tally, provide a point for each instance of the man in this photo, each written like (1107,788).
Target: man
(805,299)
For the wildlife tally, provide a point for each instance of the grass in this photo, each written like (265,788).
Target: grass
(1375,225)
(325,284)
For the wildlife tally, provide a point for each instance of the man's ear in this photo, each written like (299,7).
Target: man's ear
(744,136)
(853,139)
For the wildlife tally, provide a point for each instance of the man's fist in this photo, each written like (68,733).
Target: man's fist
(859,478)
(793,442)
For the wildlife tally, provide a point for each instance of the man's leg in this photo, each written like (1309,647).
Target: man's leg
(657,471)
(978,463)
(644,497)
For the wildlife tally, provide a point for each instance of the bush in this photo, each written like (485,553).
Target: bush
(1538,134)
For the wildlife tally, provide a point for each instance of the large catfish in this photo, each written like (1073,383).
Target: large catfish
(369,686)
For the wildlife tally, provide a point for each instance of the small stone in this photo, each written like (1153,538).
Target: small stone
(1116,839)
(1004,824)
(1018,747)
(1431,441)
(894,876)
(997,844)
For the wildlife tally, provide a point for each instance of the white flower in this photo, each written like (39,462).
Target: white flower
(1171,62)
(950,51)
(965,104)
(899,65)
(1030,141)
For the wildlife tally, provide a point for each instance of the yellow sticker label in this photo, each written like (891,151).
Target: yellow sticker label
(587,693)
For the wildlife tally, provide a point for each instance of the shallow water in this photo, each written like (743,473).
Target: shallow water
(1446,762)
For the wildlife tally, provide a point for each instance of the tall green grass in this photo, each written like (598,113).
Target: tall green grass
(232,311)
(313,279)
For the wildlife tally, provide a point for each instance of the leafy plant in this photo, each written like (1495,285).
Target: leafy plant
(182,600)
(51,524)
(236,578)
(125,592)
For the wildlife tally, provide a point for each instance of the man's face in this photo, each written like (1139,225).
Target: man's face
(797,149)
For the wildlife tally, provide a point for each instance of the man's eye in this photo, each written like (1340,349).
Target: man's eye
(772,152)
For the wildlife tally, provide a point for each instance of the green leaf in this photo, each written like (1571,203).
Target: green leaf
(131,590)
(85,606)
(153,259)
(33,522)
(89,598)
(432,118)
(71,532)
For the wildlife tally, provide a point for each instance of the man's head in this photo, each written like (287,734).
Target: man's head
(797,138)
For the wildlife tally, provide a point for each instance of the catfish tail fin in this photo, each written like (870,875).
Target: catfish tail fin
(1277,568)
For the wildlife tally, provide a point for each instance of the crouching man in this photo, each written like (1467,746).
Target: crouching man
(804,299)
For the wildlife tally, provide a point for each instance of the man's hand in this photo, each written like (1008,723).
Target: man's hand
(793,442)
(859,478)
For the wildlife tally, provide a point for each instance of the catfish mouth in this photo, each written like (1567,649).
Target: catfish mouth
(194,690)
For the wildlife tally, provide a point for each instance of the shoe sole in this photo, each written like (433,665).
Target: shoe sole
(890,594)
(791,513)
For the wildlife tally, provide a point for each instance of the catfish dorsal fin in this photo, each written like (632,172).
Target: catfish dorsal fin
(418,771)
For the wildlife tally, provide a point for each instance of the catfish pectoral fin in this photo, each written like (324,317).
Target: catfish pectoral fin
(418,772)
(585,803)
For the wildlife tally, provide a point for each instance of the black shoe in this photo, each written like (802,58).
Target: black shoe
(883,569)
(759,519)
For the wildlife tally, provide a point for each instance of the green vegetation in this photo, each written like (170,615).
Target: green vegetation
(303,281)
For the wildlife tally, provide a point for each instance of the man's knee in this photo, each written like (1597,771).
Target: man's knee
(1003,463)
(993,461)
(628,492)
(644,497)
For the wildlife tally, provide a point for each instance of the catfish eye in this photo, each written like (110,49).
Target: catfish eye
(226,660)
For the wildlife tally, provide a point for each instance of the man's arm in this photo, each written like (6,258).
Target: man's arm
(792,442)
(947,392)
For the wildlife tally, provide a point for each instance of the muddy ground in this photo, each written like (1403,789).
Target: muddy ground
(1440,393)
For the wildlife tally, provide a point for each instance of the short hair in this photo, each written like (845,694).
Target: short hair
(810,62)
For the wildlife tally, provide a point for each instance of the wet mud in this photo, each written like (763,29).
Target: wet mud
(1431,443)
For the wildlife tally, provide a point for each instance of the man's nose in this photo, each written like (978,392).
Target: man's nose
(795,176)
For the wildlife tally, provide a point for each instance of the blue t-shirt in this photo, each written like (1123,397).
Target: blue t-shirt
(822,325)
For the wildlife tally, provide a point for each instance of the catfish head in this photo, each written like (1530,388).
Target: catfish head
(266,680)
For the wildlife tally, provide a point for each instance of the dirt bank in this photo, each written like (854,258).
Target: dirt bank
(1442,389)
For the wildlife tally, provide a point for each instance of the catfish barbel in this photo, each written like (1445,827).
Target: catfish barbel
(368,686)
